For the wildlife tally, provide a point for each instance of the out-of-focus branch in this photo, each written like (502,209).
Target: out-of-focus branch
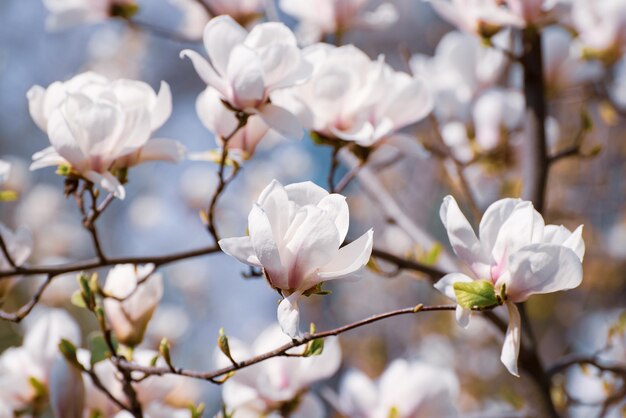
(577,360)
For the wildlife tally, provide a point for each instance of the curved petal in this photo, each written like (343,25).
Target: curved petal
(245,75)
(270,33)
(463,239)
(523,227)
(206,72)
(305,193)
(274,202)
(221,35)
(349,259)
(265,247)
(562,236)
(282,121)
(46,158)
(240,248)
(512,340)
(35,96)
(161,150)
(162,108)
(446,284)
(336,207)
(493,219)
(63,141)
(289,315)
(462,316)
(542,268)
(108,182)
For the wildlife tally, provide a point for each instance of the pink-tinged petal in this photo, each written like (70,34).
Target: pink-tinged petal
(523,227)
(361,133)
(542,268)
(161,150)
(493,219)
(206,72)
(240,248)
(446,284)
(282,121)
(336,207)
(462,316)
(289,315)
(560,235)
(268,34)
(46,158)
(262,238)
(36,96)
(312,241)
(107,181)
(162,108)
(349,259)
(245,75)
(512,340)
(463,239)
(305,193)
(221,35)
(274,202)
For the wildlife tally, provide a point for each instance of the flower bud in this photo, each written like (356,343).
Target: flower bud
(67,392)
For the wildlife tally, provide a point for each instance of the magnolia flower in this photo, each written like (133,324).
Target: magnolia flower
(515,252)
(353,98)
(134,293)
(563,66)
(405,390)
(98,127)
(245,68)
(295,234)
(601,27)
(64,13)
(67,392)
(324,17)
(264,389)
(243,11)
(461,69)
(19,245)
(222,122)
(478,17)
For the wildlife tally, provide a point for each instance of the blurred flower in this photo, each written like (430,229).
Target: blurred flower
(479,17)
(460,70)
(516,253)
(563,66)
(67,392)
(65,13)
(243,11)
(270,387)
(135,292)
(222,122)
(535,12)
(19,246)
(601,27)
(98,126)
(247,67)
(328,17)
(295,234)
(405,390)
(353,98)
(5,170)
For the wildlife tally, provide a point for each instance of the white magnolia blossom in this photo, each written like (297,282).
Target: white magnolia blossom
(461,69)
(352,98)
(295,235)
(263,389)
(136,291)
(514,250)
(601,27)
(404,390)
(222,122)
(34,358)
(478,17)
(96,125)
(65,13)
(67,391)
(563,66)
(245,68)
(327,17)
(19,245)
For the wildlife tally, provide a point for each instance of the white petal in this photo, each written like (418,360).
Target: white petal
(245,75)
(265,247)
(63,141)
(46,158)
(493,218)
(274,202)
(349,259)
(524,226)
(221,35)
(463,316)
(266,34)
(305,193)
(162,108)
(542,268)
(446,284)
(512,340)
(206,72)
(282,121)
(108,182)
(240,248)
(161,150)
(463,239)
(289,315)
(35,97)
(337,208)
(562,236)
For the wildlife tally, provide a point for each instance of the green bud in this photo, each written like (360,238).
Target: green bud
(222,343)
(68,350)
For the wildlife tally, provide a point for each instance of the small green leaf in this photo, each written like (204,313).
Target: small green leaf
(68,350)
(197,411)
(314,348)
(432,256)
(99,348)
(40,388)
(77,299)
(476,294)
